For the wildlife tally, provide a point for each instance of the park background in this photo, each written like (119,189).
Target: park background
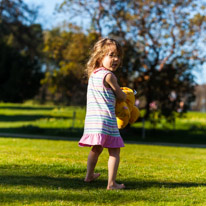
(44,46)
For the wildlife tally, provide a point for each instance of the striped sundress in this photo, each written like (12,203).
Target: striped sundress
(100,123)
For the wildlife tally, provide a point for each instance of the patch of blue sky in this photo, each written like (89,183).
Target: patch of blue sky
(49,18)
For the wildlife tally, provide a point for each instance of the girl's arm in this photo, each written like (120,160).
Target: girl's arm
(111,81)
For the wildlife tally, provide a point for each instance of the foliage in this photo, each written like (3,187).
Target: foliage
(21,45)
(167,89)
(67,52)
(162,35)
(19,75)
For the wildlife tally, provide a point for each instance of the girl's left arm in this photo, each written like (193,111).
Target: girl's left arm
(111,80)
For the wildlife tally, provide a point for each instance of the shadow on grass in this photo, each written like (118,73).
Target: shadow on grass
(16,118)
(53,192)
(128,134)
(78,183)
(133,185)
(34,132)
(132,134)
(45,188)
(193,136)
(54,182)
(27,107)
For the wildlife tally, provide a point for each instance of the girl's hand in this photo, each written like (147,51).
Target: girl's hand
(111,81)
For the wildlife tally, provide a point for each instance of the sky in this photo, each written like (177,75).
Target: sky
(49,19)
(47,15)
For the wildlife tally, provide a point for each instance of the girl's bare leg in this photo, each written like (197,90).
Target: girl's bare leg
(113,165)
(91,163)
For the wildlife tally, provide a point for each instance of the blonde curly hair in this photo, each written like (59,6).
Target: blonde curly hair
(100,49)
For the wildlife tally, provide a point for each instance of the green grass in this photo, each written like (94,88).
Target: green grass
(191,128)
(48,172)
(58,121)
(42,120)
(189,121)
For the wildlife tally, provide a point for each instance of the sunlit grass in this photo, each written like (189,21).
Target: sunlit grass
(23,118)
(68,121)
(185,122)
(46,172)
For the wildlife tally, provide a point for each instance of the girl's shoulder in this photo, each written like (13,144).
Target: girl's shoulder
(101,70)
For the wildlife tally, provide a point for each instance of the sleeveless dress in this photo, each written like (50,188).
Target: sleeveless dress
(100,126)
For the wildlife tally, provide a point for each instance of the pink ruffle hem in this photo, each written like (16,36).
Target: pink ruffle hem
(105,141)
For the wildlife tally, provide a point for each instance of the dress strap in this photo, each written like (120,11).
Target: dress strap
(99,69)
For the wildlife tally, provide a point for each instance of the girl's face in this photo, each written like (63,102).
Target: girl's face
(111,60)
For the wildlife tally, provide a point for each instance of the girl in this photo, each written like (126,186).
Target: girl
(100,130)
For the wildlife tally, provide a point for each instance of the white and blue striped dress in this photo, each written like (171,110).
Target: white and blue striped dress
(100,122)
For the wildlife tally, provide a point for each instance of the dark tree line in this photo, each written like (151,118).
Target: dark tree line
(21,44)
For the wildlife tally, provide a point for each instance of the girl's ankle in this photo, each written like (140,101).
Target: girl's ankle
(116,187)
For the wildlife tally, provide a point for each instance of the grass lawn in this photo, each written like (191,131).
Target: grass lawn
(41,120)
(48,172)
(59,121)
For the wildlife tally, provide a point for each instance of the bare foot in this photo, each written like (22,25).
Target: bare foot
(90,179)
(116,187)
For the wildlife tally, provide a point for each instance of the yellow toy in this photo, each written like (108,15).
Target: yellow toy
(126,112)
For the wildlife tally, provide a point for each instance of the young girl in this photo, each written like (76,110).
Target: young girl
(100,130)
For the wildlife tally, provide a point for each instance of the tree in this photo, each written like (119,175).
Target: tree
(164,35)
(20,56)
(67,52)
(19,75)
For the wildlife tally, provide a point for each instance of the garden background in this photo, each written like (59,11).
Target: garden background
(43,97)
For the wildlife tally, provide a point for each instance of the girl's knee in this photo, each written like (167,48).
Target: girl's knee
(97,149)
(114,151)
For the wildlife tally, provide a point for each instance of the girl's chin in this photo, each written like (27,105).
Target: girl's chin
(111,68)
